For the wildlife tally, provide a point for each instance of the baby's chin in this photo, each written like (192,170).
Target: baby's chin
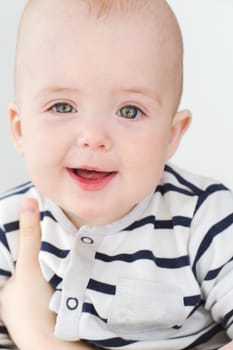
(96,217)
(88,218)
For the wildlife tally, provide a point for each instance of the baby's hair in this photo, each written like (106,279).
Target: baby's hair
(104,7)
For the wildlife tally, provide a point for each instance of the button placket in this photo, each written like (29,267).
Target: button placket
(76,278)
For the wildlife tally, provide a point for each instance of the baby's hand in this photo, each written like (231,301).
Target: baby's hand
(25,297)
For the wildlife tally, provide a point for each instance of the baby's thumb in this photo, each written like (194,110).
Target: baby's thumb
(30,234)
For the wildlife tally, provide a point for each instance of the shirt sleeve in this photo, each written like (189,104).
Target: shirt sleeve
(211,252)
(6,270)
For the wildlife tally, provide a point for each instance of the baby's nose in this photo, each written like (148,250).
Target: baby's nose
(95,137)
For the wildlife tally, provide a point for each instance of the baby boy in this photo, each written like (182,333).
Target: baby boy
(139,252)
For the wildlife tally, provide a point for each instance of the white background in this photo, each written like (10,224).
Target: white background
(207,28)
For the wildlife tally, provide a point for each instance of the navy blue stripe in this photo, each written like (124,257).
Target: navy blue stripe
(14,225)
(19,186)
(145,221)
(48,214)
(3,239)
(171,263)
(113,342)
(16,193)
(160,224)
(163,189)
(52,249)
(226,318)
(214,273)
(194,309)
(188,335)
(181,221)
(175,221)
(3,330)
(11,226)
(196,190)
(101,287)
(89,308)
(192,300)
(204,338)
(5,273)
(230,324)
(209,191)
(15,189)
(216,229)
(177,327)
(55,280)
(201,303)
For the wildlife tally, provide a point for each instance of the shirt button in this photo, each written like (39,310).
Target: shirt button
(87,240)
(72,303)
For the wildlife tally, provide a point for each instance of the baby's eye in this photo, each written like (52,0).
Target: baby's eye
(63,107)
(130,112)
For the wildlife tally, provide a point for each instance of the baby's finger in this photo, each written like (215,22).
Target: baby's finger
(30,235)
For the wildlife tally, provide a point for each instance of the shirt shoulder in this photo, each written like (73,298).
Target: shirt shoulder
(190,182)
(182,195)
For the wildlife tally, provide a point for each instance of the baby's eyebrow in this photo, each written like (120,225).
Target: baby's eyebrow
(141,91)
(54,90)
(132,90)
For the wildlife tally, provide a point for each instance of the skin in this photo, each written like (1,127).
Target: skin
(126,64)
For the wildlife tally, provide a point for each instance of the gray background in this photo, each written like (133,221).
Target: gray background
(207,29)
(12,167)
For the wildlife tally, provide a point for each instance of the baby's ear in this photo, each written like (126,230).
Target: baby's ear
(179,125)
(15,127)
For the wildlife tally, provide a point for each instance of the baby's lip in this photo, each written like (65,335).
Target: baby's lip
(91,173)
(91,169)
(91,178)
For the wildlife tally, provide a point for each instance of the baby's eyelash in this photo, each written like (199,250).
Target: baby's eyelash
(130,112)
(63,107)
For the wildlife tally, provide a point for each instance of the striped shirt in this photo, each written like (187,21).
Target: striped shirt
(159,278)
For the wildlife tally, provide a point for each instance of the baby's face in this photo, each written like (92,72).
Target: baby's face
(95,119)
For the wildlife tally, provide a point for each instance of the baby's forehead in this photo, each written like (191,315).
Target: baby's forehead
(39,28)
(37,24)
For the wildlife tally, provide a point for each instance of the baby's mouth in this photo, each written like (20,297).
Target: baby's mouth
(91,179)
(87,174)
